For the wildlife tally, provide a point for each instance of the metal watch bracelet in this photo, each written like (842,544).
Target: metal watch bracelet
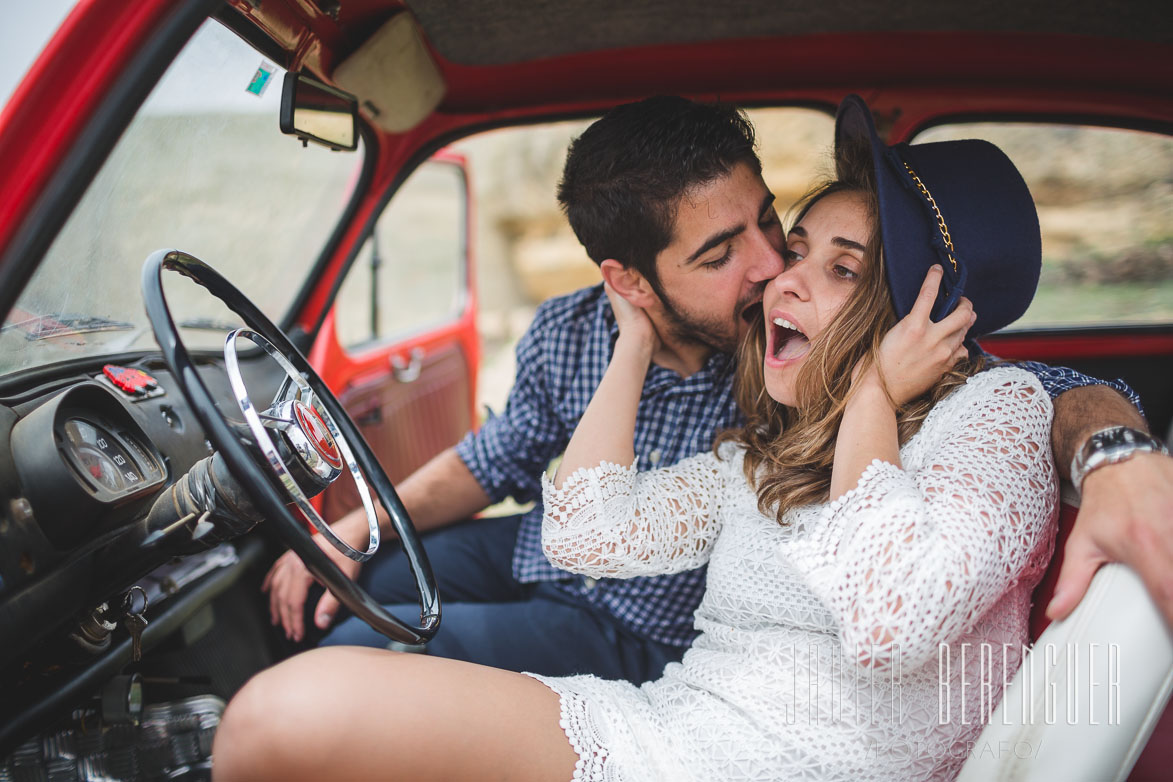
(1111,446)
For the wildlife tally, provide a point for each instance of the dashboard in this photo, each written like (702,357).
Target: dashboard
(84,454)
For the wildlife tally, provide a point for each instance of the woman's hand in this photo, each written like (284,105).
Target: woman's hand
(634,324)
(917,353)
(606,431)
(914,355)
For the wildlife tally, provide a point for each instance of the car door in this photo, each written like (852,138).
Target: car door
(399,347)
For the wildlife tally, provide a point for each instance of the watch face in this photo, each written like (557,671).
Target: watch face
(1119,436)
(1122,436)
(1110,446)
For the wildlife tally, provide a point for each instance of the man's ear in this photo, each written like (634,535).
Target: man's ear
(629,283)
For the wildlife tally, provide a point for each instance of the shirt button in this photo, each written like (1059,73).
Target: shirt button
(588,583)
(654,456)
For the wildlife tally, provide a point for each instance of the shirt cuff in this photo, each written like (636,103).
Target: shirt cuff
(468,451)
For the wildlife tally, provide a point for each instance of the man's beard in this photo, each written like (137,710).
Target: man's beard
(711,332)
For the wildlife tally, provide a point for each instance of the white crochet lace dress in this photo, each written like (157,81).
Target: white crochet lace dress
(818,656)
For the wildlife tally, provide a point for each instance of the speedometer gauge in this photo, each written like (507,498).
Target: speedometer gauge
(102,458)
(80,456)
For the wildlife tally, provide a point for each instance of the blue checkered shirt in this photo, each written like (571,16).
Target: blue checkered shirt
(560,362)
(1057,380)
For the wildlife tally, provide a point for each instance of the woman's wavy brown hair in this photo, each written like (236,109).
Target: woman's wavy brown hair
(789,452)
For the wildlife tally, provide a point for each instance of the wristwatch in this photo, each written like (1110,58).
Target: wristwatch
(1109,446)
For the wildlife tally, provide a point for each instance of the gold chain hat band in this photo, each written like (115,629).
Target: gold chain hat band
(940,219)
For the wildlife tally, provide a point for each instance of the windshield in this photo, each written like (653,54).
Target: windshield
(201,168)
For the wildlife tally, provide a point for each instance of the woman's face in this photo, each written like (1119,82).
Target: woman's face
(824,260)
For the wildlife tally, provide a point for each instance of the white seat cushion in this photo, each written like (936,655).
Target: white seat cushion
(1097,682)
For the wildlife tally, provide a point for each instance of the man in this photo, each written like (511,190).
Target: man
(666,195)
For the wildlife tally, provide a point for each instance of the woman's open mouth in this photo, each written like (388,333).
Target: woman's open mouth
(785,341)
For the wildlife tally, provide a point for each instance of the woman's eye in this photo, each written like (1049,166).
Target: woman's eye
(791,257)
(844,272)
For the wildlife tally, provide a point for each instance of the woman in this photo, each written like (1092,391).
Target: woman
(866,515)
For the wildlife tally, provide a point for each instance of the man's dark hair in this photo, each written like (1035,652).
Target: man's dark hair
(625,174)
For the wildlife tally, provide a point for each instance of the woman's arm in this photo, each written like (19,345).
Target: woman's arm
(602,518)
(909,560)
(913,357)
(606,431)
(613,522)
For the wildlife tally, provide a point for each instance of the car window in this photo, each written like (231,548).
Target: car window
(1105,199)
(204,168)
(795,146)
(525,250)
(410,274)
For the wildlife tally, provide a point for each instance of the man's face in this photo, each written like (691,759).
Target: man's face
(726,246)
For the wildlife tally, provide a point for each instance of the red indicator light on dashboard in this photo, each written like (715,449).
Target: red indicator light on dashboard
(132,381)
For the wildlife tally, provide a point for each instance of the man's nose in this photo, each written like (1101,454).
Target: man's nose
(768,262)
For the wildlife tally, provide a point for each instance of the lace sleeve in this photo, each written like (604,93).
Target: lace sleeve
(909,559)
(611,521)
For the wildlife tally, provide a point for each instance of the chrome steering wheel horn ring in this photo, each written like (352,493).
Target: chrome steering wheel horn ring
(296,384)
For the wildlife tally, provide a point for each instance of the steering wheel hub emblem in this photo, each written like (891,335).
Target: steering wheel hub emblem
(306,432)
(311,425)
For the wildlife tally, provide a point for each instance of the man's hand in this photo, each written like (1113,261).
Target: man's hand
(288,582)
(441,492)
(916,352)
(1126,515)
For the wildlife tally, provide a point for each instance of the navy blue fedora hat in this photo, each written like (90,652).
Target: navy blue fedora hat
(961,204)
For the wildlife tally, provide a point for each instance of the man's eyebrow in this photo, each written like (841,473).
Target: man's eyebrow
(767,202)
(729,233)
(838,241)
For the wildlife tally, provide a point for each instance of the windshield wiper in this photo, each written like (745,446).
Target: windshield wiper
(49,326)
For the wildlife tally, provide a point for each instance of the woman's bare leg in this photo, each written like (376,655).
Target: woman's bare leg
(350,713)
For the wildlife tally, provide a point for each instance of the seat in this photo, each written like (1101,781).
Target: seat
(1090,692)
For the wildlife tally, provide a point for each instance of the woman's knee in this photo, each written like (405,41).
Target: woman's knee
(245,730)
(274,717)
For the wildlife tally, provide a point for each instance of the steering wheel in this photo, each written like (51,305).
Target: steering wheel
(326,440)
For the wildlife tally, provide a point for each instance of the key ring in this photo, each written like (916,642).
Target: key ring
(128,601)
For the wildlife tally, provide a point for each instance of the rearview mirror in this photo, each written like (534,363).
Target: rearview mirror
(317,112)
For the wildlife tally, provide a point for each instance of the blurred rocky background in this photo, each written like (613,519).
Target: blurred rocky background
(1105,200)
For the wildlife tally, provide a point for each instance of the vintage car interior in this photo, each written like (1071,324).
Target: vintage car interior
(205,350)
